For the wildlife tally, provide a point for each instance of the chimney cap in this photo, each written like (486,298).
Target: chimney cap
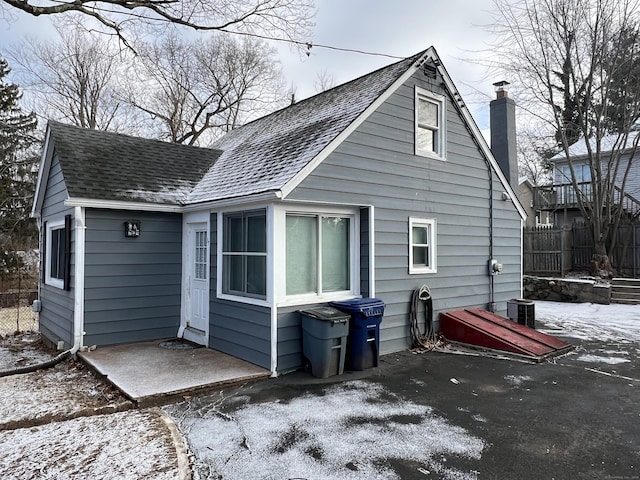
(502,88)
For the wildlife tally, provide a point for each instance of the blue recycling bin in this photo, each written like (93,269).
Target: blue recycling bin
(324,340)
(363,344)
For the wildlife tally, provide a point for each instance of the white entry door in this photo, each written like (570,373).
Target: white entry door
(195,282)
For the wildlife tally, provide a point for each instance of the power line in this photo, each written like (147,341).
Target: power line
(308,45)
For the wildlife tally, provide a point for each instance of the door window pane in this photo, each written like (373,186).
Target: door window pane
(201,255)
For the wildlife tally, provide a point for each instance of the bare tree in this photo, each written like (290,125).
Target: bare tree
(324,81)
(74,79)
(193,92)
(568,57)
(289,19)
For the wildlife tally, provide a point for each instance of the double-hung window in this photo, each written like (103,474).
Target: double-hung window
(422,245)
(429,124)
(56,261)
(319,252)
(244,254)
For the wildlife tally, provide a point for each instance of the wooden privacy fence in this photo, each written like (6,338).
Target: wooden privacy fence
(557,250)
(546,250)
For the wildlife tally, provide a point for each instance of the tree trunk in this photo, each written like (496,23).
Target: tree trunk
(600,263)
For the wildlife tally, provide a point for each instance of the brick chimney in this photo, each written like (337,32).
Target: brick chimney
(503,132)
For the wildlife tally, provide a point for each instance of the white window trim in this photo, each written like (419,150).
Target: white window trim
(280,255)
(441,141)
(48,279)
(219,270)
(433,268)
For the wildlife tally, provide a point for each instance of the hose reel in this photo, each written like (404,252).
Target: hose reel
(421,296)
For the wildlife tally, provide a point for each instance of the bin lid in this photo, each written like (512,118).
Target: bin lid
(359,304)
(325,313)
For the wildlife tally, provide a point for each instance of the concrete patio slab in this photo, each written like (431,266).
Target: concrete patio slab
(149,372)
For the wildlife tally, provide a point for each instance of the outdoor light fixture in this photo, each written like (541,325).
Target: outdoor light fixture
(132,228)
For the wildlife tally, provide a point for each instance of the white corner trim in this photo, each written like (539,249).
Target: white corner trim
(271,287)
(78,285)
(372,251)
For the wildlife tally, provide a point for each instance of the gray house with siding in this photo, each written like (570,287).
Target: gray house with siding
(370,189)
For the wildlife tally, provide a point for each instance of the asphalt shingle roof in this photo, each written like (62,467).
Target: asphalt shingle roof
(265,154)
(110,166)
(261,156)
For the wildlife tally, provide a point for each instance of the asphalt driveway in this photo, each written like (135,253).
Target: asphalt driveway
(431,415)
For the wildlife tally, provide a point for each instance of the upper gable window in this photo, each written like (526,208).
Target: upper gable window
(429,124)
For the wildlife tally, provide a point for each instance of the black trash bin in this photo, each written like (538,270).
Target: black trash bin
(324,340)
(363,344)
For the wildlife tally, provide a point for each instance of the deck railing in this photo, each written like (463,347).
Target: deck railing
(554,197)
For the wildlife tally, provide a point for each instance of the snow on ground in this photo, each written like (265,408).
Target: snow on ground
(22,350)
(617,325)
(613,323)
(289,440)
(126,445)
(67,390)
(65,423)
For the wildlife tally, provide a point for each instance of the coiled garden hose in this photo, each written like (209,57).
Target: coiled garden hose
(422,295)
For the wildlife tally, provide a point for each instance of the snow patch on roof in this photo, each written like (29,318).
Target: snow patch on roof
(607,144)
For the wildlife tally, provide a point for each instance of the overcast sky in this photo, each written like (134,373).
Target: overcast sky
(456,28)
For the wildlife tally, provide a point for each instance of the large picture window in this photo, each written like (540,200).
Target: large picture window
(422,245)
(318,253)
(429,124)
(244,254)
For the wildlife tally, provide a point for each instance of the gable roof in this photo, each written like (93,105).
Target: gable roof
(114,167)
(266,154)
(269,156)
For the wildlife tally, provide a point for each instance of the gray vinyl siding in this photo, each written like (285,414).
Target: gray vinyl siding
(132,285)
(56,317)
(289,339)
(376,166)
(236,328)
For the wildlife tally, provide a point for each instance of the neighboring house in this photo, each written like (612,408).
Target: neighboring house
(372,188)
(560,198)
(535,217)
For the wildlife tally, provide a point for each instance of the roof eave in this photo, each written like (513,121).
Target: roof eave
(123,205)
(43,174)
